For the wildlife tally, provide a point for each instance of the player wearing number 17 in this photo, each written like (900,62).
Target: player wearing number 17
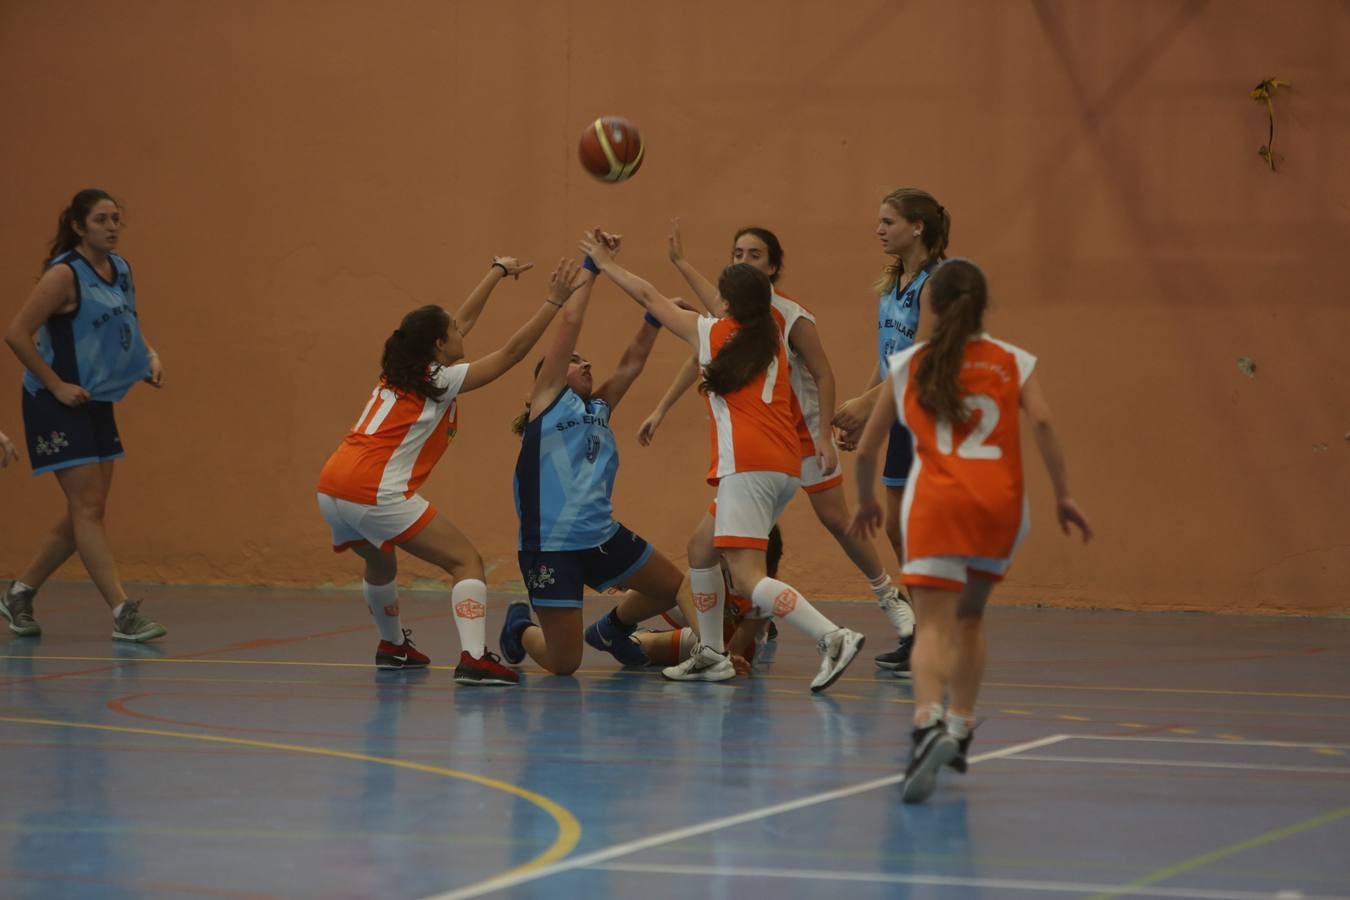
(964,509)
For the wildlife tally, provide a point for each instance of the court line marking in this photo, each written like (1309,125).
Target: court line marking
(569,829)
(1006,884)
(1145,739)
(765,676)
(1180,764)
(1204,859)
(502,882)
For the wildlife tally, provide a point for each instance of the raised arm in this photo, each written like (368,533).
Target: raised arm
(552,377)
(805,339)
(683,381)
(1037,409)
(631,364)
(54,293)
(704,289)
(681,322)
(497,363)
(472,307)
(868,517)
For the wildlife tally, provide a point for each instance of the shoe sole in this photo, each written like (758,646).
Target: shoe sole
(702,675)
(31,631)
(140,638)
(920,784)
(902,673)
(844,664)
(487,682)
(889,666)
(395,666)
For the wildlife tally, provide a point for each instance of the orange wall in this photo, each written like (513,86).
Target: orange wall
(298,175)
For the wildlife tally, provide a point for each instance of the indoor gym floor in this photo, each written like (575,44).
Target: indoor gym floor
(256,752)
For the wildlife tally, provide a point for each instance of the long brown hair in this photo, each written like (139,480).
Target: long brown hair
(958,294)
(410,351)
(917,207)
(755,344)
(81,205)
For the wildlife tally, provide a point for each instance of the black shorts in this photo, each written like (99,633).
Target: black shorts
(899,457)
(555,578)
(62,437)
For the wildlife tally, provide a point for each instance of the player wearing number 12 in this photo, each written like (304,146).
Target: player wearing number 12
(964,509)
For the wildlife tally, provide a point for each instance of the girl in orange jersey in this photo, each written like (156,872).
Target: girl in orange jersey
(813,390)
(756,463)
(964,509)
(368,488)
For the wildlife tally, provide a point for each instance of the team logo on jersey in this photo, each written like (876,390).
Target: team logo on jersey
(540,578)
(124,335)
(55,445)
(785,603)
(124,283)
(592,447)
(470,609)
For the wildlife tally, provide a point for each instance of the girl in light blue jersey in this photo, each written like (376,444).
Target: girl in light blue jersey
(79,337)
(914,228)
(564,482)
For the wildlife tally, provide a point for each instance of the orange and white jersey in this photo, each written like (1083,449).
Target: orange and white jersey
(805,395)
(965,492)
(753,428)
(395,443)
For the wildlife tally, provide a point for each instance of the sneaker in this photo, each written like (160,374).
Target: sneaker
(837,650)
(610,635)
(517,617)
(703,664)
(772,633)
(400,656)
(18,608)
(897,660)
(933,748)
(959,761)
(897,610)
(486,670)
(132,626)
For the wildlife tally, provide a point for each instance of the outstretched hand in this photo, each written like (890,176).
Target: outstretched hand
(563,282)
(674,245)
(867,519)
(599,245)
(513,266)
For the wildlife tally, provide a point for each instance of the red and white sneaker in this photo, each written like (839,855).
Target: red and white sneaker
(487,670)
(400,656)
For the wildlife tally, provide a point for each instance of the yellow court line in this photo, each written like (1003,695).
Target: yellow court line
(569,829)
(1213,856)
(1101,688)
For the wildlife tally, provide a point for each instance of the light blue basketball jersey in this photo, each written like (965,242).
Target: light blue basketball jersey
(99,345)
(898,321)
(565,476)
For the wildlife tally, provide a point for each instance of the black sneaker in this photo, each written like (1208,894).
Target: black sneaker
(132,626)
(897,660)
(932,749)
(17,606)
(959,762)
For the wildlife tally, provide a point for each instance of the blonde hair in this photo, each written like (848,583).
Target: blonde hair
(916,206)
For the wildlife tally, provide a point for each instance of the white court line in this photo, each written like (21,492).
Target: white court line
(997,884)
(1197,764)
(502,882)
(1145,739)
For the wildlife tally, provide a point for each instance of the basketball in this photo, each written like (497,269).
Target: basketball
(611,149)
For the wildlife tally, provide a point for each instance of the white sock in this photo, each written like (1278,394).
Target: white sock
(930,715)
(709,591)
(117,610)
(773,597)
(900,613)
(383,602)
(469,601)
(18,587)
(959,726)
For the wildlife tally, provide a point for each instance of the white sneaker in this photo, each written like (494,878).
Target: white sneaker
(900,613)
(703,664)
(837,650)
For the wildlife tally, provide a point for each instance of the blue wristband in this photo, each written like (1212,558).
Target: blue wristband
(651,320)
(589,265)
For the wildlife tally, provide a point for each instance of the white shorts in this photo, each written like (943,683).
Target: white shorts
(951,572)
(814,480)
(381,526)
(748,505)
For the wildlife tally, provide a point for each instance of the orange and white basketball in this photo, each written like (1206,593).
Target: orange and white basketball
(611,149)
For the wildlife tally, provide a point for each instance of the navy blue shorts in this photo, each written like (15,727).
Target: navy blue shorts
(555,578)
(62,437)
(899,456)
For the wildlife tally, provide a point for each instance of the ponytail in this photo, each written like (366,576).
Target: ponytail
(755,344)
(411,349)
(958,294)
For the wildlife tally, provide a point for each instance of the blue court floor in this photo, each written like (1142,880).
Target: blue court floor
(257,753)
